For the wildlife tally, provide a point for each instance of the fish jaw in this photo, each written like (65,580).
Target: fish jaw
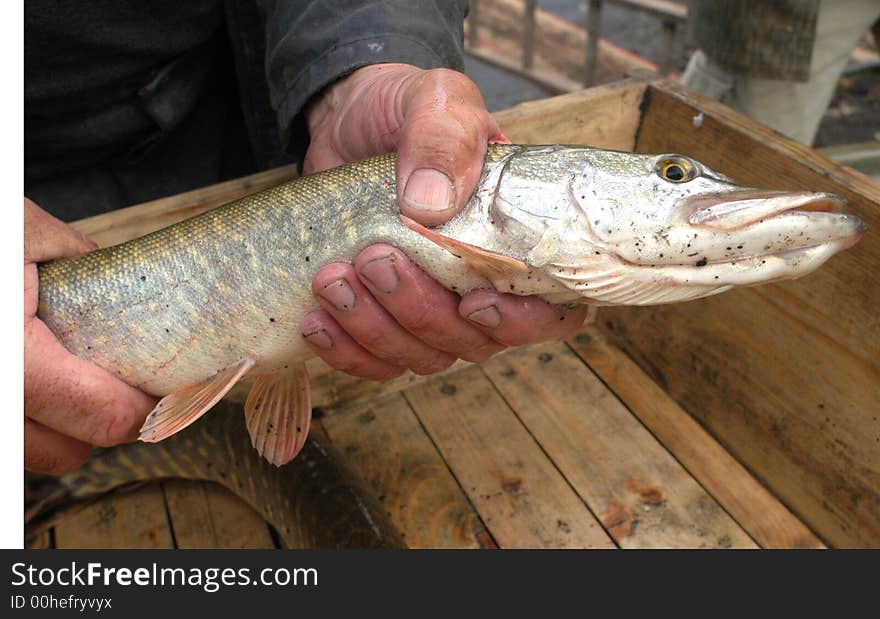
(737,209)
(757,237)
(753,236)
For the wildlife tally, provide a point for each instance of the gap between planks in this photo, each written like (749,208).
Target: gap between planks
(128,518)
(751,504)
(385,444)
(207,515)
(519,494)
(643,497)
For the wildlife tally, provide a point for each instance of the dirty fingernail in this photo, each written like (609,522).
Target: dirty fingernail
(319,339)
(488,317)
(381,273)
(339,294)
(429,190)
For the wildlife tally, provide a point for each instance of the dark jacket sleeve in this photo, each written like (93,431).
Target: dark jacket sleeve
(312,43)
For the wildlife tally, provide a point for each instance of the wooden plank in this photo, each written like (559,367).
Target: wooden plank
(386,447)
(785,376)
(559,45)
(520,496)
(205,515)
(547,79)
(761,514)
(641,494)
(127,519)
(604,117)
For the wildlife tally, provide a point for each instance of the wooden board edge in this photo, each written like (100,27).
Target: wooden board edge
(764,517)
(814,160)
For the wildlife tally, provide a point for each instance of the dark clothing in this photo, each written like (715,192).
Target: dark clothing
(769,39)
(127,101)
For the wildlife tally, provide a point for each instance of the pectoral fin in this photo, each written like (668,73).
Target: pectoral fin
(177,410)
(490,265)
(278,412)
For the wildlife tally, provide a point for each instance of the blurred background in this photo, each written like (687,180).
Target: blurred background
(519,50)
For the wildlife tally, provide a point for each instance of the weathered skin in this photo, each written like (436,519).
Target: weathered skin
(583,225)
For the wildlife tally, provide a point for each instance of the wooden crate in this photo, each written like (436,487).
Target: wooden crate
(747,419)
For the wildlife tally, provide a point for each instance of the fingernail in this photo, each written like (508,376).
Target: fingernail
(319,339)
(429,190)
(339,294)
(488,317)
(381,274)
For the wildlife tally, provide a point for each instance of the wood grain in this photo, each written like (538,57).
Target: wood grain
(641,494)
(206,515)
(126,519)
(604,117)
(839,300)
(756,510)
(386,447)
(785,376)
(521,497)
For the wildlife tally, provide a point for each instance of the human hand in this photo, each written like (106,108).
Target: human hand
(383,314)
(69,403)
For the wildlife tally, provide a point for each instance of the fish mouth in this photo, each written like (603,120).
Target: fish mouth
(804,219)
(737,209)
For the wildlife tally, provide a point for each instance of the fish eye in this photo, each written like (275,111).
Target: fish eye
(676,169)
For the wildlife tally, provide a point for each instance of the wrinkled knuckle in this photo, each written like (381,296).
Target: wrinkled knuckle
(419,321)
(454,81)
(511,339)
(114,428)
(377,343)
(443,77)
(347,367)
(390,373)
(432,364)
(482,353)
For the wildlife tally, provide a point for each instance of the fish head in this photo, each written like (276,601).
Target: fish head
(625,228)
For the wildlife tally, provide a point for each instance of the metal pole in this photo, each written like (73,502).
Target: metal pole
(473,20)
(594,31)
(529,35)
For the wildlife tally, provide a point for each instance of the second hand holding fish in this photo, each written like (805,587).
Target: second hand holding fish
(383,314)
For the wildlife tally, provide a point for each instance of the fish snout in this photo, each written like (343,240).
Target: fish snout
(736,209)
(856,228)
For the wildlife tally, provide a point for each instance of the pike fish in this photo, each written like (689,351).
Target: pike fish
(187,311)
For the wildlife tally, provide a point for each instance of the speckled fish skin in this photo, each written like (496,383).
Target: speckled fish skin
(172,307)
(312,503)
(568,223)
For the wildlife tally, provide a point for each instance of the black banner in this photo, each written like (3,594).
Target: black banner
(135,583)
